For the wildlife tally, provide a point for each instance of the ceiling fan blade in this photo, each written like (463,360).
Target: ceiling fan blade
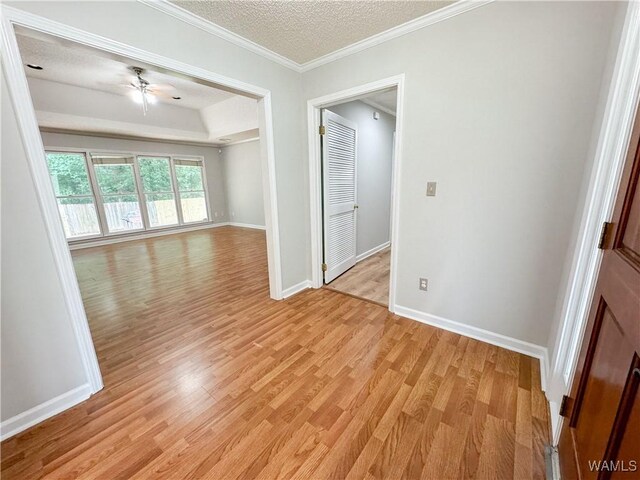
(161,94)
(162,87)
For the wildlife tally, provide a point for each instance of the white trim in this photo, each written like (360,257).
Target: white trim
(304,285)
(48,409)
(32,141)
(194,20)
(437,16)
(377,106)
(270,195)
(230,144)
(28,126)
(214,29)
(315,193)
(246,225)
(98,241)
(605,178)
(373,251)
(513,344)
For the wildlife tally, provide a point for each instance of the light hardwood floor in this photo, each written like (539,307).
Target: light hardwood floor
(367,279)
(206,377)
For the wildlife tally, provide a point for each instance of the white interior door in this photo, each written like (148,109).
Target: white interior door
(339,153)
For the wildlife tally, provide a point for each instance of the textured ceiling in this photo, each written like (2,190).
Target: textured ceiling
(65,63)
(304,30)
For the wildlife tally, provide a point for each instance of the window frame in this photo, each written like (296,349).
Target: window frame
(144,194)
(91,195)
(204,187)
(97,195)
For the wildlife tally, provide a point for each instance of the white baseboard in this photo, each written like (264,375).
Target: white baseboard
(142,235)
(39,413)
(520,346)
(246,225)
(373,251)
(287,292)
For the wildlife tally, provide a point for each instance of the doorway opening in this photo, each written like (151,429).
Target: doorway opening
(103,178)
(354,157)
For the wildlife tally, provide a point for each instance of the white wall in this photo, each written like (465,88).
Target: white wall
(39,356)
(236,114)
(40,359)
(243,183)
(375,155)
(499,104)
(213,164)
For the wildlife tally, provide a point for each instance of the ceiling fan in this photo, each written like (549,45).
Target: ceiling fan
(146,93)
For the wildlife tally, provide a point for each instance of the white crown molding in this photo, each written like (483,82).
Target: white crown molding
(239,142)
(377,106)
(194,20)
(445,13)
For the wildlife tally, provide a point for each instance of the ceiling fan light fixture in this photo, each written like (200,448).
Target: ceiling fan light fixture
(136,96)
(141,95)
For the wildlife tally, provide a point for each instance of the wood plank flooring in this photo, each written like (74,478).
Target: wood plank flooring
(206,377)
(367,279)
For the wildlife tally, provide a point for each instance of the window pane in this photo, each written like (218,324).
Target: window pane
(194,208)
(162,209)
(79,216)
(156,174)
(69,174)
(189,177)
(115,178)
(122,212)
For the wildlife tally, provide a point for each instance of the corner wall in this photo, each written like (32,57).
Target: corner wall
(243,183)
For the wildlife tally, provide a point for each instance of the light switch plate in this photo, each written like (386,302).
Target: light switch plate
(424,284)
(431,189)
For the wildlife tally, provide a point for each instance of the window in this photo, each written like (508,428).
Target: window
(117,184)
(191,190)
(109,194)
(74,195)
(155,173)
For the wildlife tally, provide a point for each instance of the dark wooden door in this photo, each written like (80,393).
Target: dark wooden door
(601,436)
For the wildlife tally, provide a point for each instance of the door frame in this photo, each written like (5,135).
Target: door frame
(611,150)
(314,106)
(28,126)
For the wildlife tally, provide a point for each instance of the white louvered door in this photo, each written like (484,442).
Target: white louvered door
(339,151)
